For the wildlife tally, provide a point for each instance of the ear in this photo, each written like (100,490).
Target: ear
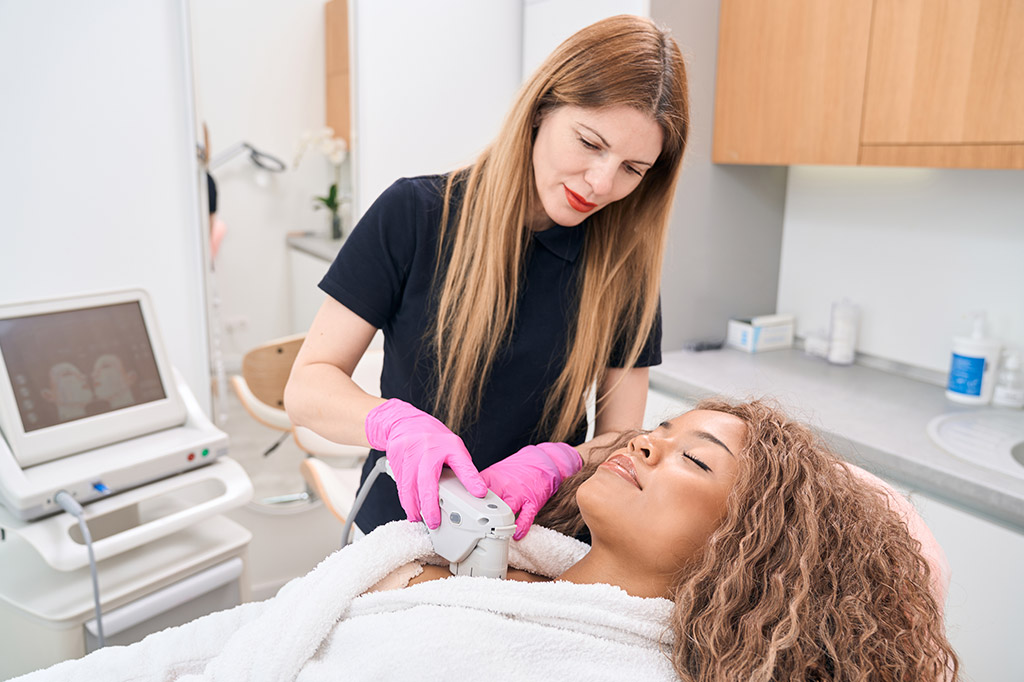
(48,395)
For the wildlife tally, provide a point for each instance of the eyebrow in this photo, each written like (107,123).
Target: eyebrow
(605,143)
(711,439)
(703,435)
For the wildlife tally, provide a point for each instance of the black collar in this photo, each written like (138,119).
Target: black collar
(564,242)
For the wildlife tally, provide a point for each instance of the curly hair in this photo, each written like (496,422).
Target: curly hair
(811,575)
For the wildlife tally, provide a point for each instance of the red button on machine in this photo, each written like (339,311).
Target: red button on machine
(191,456)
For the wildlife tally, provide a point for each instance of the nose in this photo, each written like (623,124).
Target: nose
(642,446)
(601,177)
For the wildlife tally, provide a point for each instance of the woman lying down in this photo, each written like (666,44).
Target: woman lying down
(728,544)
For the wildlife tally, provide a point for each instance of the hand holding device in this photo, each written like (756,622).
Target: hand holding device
(528,478)
(417,447)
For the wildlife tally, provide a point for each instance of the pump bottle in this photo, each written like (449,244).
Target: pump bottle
(1009,390)
(972,371)
(842,339)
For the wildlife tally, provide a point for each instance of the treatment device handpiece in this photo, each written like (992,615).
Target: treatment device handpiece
(474,532)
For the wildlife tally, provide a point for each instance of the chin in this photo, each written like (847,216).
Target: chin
(594,500)
(575,222)
(587,497)
(570,220)
(566,216)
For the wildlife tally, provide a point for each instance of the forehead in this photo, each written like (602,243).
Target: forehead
(625,128)
(729,429)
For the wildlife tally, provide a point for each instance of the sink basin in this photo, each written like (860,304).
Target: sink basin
(988,438)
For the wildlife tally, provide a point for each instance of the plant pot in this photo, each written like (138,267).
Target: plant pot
(336,226)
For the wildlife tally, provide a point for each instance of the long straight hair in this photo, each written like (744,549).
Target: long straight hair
(620,61)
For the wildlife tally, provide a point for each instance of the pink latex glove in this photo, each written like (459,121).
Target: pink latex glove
(528,478)
(418,446)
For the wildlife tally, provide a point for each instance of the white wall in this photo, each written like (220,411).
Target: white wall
(433,82)
(546,23)
(421,106)
(918,249)
(723,250)
(100,188)
(260,78)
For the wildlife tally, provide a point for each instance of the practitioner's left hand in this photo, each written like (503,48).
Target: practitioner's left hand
(528,478)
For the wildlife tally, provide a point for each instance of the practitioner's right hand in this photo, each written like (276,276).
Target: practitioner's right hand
(417,447)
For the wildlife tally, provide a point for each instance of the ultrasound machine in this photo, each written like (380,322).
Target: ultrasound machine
(110,474)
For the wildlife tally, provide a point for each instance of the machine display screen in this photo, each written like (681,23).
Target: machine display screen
(68,365)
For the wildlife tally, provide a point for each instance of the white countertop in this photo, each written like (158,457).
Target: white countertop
(870,417)
(318,245)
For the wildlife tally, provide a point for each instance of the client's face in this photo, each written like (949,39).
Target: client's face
(660,497)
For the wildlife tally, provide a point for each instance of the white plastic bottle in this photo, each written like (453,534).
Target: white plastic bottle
(1009,391)
(972,370)
(842,335)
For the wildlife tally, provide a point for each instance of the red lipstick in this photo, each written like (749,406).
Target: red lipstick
(622,465)
(578,202)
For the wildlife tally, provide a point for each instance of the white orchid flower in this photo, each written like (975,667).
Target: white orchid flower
(336,149)
(304,141)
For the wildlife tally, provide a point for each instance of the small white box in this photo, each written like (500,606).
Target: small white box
(765,332)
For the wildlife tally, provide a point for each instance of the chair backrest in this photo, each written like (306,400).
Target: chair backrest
(266,368)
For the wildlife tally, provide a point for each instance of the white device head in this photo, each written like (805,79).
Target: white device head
(475,532)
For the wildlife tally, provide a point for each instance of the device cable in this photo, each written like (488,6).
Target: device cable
(378,468)
(71,506)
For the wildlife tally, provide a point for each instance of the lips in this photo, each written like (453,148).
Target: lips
(577,202)
(622,466)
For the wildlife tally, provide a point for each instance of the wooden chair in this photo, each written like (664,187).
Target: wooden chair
(260,388)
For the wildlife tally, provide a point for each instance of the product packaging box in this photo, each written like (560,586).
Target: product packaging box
(765,332)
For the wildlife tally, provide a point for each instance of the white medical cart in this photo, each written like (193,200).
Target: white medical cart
(47,615)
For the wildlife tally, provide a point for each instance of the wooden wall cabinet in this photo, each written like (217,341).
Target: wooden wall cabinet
(774,103)
(935,83)
(339,110)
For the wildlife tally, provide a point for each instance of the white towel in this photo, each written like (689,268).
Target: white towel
(318,627)
(468,628)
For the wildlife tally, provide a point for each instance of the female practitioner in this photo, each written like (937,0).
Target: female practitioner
(507,289)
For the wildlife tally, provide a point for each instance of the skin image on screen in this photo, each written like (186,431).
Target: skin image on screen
(74,364)
(69,392)
(111,382)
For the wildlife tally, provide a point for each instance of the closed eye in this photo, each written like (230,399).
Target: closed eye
(697,461)
(633,170)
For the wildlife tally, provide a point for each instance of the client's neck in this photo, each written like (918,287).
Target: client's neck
(601,565)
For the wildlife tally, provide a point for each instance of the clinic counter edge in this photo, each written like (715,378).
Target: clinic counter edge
(872,418)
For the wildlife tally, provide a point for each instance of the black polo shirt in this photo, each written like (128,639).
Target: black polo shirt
(385,274)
